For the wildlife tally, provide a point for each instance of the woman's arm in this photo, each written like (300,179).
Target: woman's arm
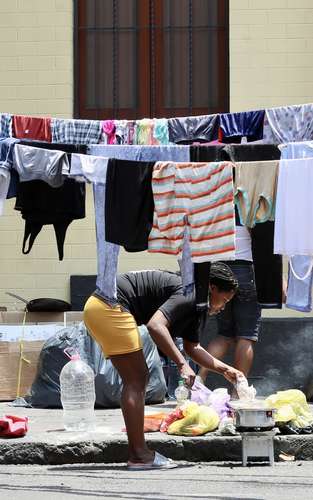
(158,327)
(206,360)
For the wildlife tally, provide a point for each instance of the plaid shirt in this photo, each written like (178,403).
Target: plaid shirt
(5,125)
(76,131)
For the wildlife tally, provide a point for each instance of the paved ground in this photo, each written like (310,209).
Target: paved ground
(284,481)
(48,444)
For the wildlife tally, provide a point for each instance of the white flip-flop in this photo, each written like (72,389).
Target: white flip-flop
(159,462)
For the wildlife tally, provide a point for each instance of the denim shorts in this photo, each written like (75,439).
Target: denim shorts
(241,317)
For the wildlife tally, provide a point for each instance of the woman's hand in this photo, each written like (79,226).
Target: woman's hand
(232,375)
(187,374)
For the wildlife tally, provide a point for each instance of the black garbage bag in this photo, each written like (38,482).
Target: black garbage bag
(45,390)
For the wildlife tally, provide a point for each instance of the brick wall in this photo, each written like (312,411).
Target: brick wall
(271,53)
(36,57)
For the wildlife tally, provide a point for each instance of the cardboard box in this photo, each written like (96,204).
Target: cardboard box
(10,352)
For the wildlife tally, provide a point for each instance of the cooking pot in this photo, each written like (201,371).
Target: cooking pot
(252,415)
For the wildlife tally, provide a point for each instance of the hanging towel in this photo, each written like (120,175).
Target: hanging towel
(76,131)
(29,127)
(193,128)
(294,208)
(235,126)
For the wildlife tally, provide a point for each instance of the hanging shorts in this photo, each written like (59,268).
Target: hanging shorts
(255,191)
(198,198)
(114,329)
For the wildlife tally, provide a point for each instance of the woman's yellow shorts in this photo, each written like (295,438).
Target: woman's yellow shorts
(115,330)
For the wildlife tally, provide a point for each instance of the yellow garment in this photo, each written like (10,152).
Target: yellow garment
(114,329)
(291,406)
(198,420)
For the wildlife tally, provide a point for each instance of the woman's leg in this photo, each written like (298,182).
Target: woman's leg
(134,373)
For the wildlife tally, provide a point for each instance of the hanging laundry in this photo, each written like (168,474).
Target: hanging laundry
(121,131)
(76,131)
(41,164)
(129,204)
(142,153)
(235,126)
(144,132)
(251,152)
(131,132)
(268,267)
(294,208)
(294,150)
(200,195)
(300,274)
(29,127)
(208,152)
(300,281)
(5,125)
(108,132)
(94,169)
(188,129)
(89,168)
(6,165)
(160,131)
(40,204)
(255,191)
(288,124)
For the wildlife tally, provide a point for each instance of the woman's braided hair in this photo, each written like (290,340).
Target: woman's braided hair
(222,277)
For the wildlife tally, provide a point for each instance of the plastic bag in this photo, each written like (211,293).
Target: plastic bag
(152,423)
(45,391)
(199,393)
(244,390)
(219,400)
(198,420)
(291,406)
(170,418)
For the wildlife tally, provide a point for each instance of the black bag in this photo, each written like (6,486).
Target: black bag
(44,304)
(45,390)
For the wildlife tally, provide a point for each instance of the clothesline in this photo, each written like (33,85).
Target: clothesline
(270,125)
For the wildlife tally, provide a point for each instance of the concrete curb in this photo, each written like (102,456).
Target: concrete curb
(201,449)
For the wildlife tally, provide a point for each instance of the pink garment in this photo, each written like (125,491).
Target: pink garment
(109,128)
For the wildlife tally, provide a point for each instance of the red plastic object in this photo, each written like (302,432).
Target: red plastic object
(13,426)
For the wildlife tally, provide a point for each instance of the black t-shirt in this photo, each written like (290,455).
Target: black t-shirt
(143,293)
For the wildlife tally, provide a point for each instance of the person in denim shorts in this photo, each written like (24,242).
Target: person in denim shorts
(239,322)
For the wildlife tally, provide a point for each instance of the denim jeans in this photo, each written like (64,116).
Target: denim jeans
(241,317)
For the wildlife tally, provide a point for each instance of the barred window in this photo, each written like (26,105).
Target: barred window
(151,58)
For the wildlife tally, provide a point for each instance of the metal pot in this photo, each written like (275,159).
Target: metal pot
(253,415)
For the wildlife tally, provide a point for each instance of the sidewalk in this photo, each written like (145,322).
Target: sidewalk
(47,443)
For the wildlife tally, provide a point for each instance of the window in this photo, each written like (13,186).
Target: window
(150,58)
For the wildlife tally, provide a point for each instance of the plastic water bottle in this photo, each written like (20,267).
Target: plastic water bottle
(77,381)
(181,393)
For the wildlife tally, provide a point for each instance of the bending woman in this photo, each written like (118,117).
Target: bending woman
(154,298)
